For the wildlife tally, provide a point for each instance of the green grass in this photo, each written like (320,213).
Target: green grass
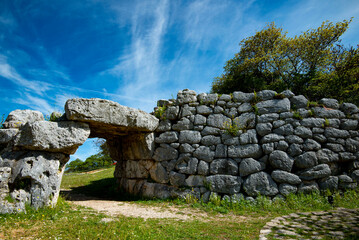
(242,220)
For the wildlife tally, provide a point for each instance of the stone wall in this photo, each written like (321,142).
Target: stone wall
(245,144)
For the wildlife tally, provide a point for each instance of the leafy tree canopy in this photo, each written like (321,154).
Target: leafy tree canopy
(313,64)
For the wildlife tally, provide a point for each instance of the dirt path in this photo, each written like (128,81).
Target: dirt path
(132,209)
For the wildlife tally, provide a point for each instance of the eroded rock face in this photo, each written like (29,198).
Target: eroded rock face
(18,118)
(107,118)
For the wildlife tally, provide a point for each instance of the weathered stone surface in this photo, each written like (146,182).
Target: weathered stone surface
(195,181)
(282,145)
(210,140)
(266,94)
(303,132)
(6,135)
(159,173)
(224,166)
(335,147)
(326,156)
(187,164)
(270,117)
(272,137)
(183,124)
(186,96)
(177,179)
(245,120)
(312,122)
(204,110)
(200,120)
(63,137)
(306,160)
(204,153)
(245,107)
(218,120)
(260,183)
(280,160)
(287,93)
(285,177)
(248,137)
(308,187)
(164,125)
(316,172)
(249,166)
(284,130)
(273,106)
(165,153)
(221,151)
(329,103)
(109,118)
(18,118)
(224,183)
(349,124)
(299,101)
(264,128)
(330,183)
(133,169)
(188,136)
(268,147)
(242,97)
(346,182)
(294,139)
(39,173)
(203,168)
(349,108)
(352,145)
(245,151)
(294,150)
(167,137)
(327,113)
(336,133)
(136,146)
(311,145)
(286,189)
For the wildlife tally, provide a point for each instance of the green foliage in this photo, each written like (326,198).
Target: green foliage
(91,163)
(231,128)
(9,199)
(279,96)
(312,104)
(313,64)
(326,123)
(160,111)
(297,115)
(2,120)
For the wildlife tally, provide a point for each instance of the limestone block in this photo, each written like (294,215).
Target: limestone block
(188,136)
(224,183)
(328,113)
(273,106)
(330,183)
(249,137)
(349,108)
(218,121)
(19,118)
(63,137)
(349,124)
(284,130)
(204,153)
(264,128)
(280,160)
(159,173)
(245,120)
(308,187)
(165,153)
(183,124)
(224,166)
(281,176)
(303,132)
(242,97)
(6,135)
(313,122)
(311,145)
(272,137)
(299,101)
(266,95)
(329,103)
(306,160)
(316,172)
(325,155)
(249,166)
(245,151)
(177,179)
(286,189)
(260,183)
(167,137)
(270,117)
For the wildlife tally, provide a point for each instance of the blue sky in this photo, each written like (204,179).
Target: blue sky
(135,52)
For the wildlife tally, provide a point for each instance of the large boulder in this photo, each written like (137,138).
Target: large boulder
(64,137)
(108,118)
(18,118)
(260,183)
(224,183)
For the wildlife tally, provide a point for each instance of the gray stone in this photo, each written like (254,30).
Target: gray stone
(165,153)
(272,138)
(210,140)
(282,145)
(224,166)
(187,136)
(310,145)
(312,122)
(200,120)
(285,189)
(266,94)
(204,110)
(224,183)
(317,130)
(249,166)
(329,103)
(18,118)
(204,153)
(326,156)
(136,169)
(346,182)
(245,151)
(164,125)
(286,115)
(299,101)
(335,147)
(221,151)
(330,183)
(316,172)
(187,111)
(217,120)
(320,138)
(186,96)
(349,124)
(159,173)
(183,124)
(264,128)
(64,137)
(303,132)
(308,187)
(346,157)
(355,175)
(260,183)
(210,131)
(167,137)
(218,109)
(245,120)
(306,160)
(327,113)
(349,108)
(203,168)
(190,167)
(285,177)
(284,130)
(245,107)
(248,137)
(273,106)
(294,139)
(287,93)
(232,112)
(294,150)
(225,97)
(106,117)
(352,145)
(336,133)
(278,123)
(171,113)
(334,123)
(242,97)
(6,135)
(268,147)
(195,181)
(186,148)
(280,160)
(229,139)
(270,117)
(177,179)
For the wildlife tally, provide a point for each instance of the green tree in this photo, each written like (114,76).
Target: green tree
(306,64)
